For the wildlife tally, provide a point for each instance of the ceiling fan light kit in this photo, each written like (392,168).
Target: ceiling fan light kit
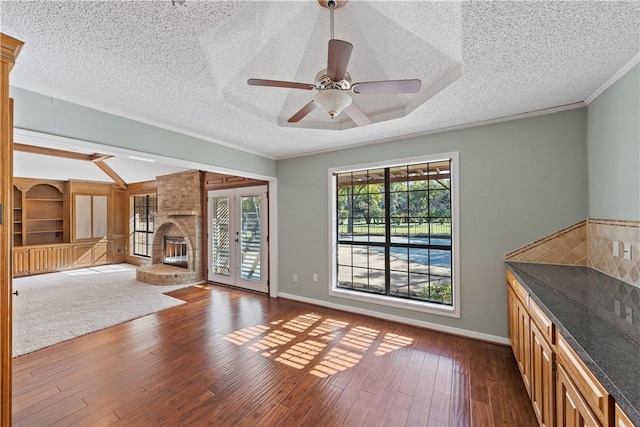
(333,101)
(334,84)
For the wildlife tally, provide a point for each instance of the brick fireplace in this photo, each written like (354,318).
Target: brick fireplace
(178,219)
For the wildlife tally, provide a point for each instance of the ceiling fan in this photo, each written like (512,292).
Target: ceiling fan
(334,83)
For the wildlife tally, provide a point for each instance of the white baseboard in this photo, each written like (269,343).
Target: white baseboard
(406,320)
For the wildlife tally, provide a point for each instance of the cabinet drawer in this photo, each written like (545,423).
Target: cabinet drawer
(542,321)
(520,291)
(600,402)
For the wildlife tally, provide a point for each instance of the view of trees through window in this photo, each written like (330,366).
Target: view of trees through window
(144,206)
(394,231)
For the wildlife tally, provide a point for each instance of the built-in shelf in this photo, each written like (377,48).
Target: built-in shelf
(38,214)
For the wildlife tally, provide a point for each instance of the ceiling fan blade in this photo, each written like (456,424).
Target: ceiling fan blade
(338,59)
(357,115)
(280,83)
(302,112)
(387,86)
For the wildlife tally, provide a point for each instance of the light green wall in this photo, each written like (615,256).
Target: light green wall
(519,181)
(49,115)
(613,150)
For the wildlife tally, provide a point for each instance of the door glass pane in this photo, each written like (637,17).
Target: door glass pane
(220,235)
(250,248)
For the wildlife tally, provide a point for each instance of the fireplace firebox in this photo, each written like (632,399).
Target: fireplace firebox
(175,252)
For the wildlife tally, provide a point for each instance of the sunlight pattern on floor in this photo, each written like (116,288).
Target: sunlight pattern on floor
(392,342)
(352,345)
(243,336)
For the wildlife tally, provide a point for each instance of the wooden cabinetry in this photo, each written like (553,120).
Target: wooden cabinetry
(531,335)
(598,401)
(542,377)
(39,212)
(621,419)
(17,217)
(29,260)
(44,215)
(572,409)
(519,330)
(61,225)
(563,390)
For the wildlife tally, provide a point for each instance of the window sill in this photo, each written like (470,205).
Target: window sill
(424,307)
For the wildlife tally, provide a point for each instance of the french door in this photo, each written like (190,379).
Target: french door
(238,237)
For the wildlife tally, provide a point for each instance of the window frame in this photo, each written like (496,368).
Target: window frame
(149,233)
(452,310)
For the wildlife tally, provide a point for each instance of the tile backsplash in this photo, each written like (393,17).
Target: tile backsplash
(566,247)
(602,235)
(590,243)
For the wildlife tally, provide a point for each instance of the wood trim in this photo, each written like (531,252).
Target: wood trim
(51,152)
(144,187)
(9,50)
(25,184)
(110,173)
(600,402)
(218,181)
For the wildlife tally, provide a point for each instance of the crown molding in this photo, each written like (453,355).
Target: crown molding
(621,72)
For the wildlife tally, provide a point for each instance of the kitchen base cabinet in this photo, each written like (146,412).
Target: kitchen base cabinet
(572,410)
(563,391)
(519,332)
(598,400)
(542,378)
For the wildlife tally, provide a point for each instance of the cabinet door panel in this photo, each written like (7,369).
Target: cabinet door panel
(20,262)
(40,260)
(82,217)
(82,255)
(524,345)
(542,377)
(62,258)
(571,408)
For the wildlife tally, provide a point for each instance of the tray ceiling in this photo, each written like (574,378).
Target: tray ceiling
(185,67)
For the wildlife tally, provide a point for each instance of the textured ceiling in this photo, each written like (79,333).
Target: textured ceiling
(185,67)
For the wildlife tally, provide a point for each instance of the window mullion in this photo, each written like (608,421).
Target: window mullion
(387,232)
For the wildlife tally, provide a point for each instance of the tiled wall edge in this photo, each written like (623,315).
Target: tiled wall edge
(546,239)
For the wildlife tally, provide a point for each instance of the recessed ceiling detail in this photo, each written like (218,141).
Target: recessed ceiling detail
(336,90)
(186,67)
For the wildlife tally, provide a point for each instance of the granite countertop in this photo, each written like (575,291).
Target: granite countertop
(600,318)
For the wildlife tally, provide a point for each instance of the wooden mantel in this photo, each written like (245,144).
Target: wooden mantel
(9,49)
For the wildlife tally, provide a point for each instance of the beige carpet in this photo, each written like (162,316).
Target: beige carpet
(56,307)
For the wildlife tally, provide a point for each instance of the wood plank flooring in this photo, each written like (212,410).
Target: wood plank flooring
(228,357)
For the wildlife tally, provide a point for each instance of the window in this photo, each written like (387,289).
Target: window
(394,228)
(144,206)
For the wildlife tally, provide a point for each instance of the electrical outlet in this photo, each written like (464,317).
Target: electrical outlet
(616,248)
(295,277)
(627,251)
(315,277)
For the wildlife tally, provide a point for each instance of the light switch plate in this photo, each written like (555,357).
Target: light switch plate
(616,248)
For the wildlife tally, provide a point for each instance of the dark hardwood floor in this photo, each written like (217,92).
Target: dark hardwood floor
(229,357)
